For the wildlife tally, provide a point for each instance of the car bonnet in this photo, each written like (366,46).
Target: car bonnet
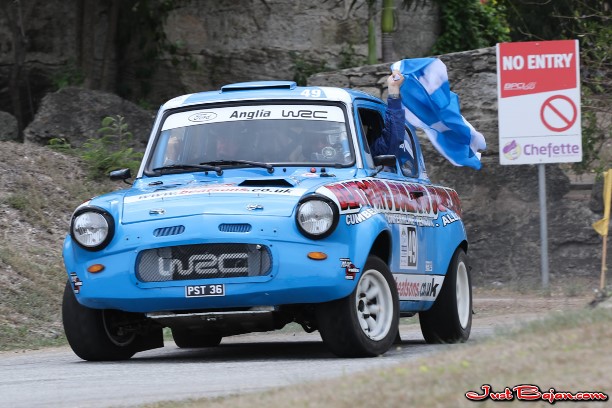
(226,197)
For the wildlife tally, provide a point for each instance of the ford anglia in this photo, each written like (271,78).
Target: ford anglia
(260,205)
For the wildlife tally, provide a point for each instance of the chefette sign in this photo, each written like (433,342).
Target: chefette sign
(539,102)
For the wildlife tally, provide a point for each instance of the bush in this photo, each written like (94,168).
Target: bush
(111,151)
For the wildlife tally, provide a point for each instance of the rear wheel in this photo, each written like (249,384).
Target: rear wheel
(450,318)
(365,323)
(188,338)
(96,334)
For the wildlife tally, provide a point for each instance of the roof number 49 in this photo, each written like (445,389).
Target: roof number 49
(311,93)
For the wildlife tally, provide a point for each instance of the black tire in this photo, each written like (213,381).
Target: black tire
(90,331)
(340,322)
(187,338)
(450,318)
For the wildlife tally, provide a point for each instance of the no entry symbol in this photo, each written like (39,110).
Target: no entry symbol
(558,113)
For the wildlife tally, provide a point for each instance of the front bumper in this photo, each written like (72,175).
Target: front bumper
(293,278)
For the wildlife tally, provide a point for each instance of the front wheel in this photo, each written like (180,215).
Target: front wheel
(450,318)
(365,323)
(105,334)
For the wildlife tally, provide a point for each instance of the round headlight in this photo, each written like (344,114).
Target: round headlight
(92,228)
(317,217)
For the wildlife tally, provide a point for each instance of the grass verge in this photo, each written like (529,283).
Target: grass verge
(568,351)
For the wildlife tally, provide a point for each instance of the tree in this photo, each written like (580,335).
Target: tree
(388,26)
(372,49)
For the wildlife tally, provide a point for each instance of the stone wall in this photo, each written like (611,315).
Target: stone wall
(500,203)
(215,43)
(236,41)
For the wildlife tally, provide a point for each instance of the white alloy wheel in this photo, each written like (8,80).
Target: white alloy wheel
(374,305)
(364,323)
(463,295)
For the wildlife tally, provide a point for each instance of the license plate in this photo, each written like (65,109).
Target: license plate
(205,290)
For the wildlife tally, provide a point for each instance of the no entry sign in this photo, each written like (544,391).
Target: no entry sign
(539,102)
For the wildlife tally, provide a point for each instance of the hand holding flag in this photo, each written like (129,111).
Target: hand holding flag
(430,105)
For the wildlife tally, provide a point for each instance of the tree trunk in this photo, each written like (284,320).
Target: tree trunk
(108,69)
(372,49)
(15,16)
(87,44)
(387,28)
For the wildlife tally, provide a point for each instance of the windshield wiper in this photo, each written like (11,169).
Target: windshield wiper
(202,166)
(266,166)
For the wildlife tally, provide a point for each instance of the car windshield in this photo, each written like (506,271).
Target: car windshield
(273,134)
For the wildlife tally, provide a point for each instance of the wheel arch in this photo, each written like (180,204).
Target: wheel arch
(464,245)
(381,247)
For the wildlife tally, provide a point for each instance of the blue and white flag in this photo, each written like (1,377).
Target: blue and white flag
(430,105)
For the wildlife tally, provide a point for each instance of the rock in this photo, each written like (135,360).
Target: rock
(9,129)
(75,114)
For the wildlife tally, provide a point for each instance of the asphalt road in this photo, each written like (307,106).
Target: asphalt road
(247,363)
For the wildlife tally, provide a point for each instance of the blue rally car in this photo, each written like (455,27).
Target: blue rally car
(259,205)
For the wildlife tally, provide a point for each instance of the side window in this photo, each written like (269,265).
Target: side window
(409,165)
(372,124)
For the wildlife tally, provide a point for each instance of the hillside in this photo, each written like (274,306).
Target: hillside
(39,189)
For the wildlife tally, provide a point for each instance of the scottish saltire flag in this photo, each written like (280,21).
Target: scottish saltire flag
(430,105)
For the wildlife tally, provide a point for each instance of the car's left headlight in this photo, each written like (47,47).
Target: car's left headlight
(92,228)
(316,216)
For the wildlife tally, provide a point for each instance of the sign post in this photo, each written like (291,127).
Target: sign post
(538,95)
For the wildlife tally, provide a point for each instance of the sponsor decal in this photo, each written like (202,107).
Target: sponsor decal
(449,219)
(408,247)
(205,264)
(409,220)
(350,268)
(304,113)
(418,287)
(260,113)
(253,207)
(530,392)
(76,283)
(352,219)
(400,202)
(428,266)
(255,112)
(215,189)
(202,117)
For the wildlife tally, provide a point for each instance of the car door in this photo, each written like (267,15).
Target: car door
(410,214)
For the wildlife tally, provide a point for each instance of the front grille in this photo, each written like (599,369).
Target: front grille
(205,261)
(234,227)
(167,231)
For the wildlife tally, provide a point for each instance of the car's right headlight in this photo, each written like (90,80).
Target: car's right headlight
(92,228)
(316,216)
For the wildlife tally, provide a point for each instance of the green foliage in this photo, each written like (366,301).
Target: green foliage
(17,201)
(70,76)
(349,58)
(470,24)
(141,44)
(111,150)
(302,68)
(60,144)
(388,19)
